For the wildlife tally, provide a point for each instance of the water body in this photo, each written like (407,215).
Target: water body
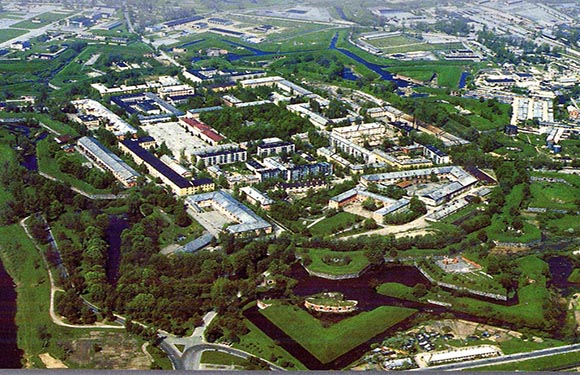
(560,268)
(463,79)
(10,354)
(117,225)
(191,43)
(348,74)
(379,69)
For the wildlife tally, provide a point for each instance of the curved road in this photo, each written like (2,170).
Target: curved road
(192,356)
(505,359)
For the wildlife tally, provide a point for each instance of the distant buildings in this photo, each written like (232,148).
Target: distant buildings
(207,75)
(108,161)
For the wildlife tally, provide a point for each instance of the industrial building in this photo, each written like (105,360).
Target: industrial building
(250,224)
(108,161)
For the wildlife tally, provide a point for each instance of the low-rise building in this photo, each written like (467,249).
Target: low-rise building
(254,196)
(438,156)
(220,156)
(177,183)
(106,160)
(273,146)
(248,223)
(201,130)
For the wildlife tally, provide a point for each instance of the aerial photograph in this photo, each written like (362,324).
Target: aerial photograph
(305,185)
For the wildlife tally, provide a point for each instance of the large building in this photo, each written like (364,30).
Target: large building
(372,133)
(221,155)
(178,184)
(273,146)
(147,106)
(359,194)
(112,122)
(459,181)
(201,130)
(350,148)
(255,196)
(249,224)
(108,161)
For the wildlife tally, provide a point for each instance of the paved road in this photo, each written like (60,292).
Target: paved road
(506,358)
(192,356)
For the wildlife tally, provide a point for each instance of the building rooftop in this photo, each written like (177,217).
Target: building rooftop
(154,162)
(115,163)
(248,220)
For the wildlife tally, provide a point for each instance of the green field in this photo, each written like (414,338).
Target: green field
(396,290)
(497,230)
(358,261)
(7,34)
(574,276)
(49,166)
(393,41)
(553,195)
(45,18)
(333,224)
(261,345)
(553,362)
(327,344)
(219,358)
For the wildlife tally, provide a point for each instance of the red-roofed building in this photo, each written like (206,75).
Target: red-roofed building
(201,130)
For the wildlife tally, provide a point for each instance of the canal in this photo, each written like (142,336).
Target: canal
(10,354)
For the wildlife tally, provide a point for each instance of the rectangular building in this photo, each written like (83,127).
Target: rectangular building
(108,161)
(221,156)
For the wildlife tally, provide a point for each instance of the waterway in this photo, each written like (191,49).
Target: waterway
(29,161)
(117,225)
(361,289)
(463,79)
(10,354)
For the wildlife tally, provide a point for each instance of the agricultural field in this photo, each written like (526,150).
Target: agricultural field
(327,344)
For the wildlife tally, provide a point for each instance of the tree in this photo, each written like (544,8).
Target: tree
(419,290)
(417,206)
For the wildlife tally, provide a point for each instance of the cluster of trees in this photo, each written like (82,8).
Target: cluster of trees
(250,123)
(325,66)
(416,209)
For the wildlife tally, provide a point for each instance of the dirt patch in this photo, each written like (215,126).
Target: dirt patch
(109,350)
(51,362)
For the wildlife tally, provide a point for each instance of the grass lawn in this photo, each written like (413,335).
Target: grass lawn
(24,264)
(57,126)
(327,344)
(396,290)
(45,19)
(219,358)
(49,165)
(516,345)
(448,74)
(261,345)
(358,261)
(497,230)
(333,224)
(168,235)
(553,195)
(553,362)
(574,276)
(7,34)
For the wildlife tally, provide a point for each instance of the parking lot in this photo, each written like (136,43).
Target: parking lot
(175,137)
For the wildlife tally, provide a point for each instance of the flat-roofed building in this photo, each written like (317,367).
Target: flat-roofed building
(177,183)
(337,142)
(220,156)
(108,161)
(438,156)
(371,133)
(201,130)
(273,146)
(249,223)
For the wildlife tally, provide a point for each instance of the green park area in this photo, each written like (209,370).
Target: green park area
(45,19)
(504,227)
(49,165)
(219,358)
(334,224)
(329,343)
(533,297)
(7,34)
(335,262)
(261,345)
(558,191)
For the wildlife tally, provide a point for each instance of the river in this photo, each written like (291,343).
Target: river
(10,354)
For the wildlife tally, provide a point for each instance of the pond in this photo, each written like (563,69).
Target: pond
(117,224)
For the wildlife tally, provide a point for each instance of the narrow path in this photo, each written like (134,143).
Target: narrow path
(56,319)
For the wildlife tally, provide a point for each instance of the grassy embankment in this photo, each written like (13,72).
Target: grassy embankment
(553,362)
(339,264)
(327,344)
(529,311)
(333,224)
